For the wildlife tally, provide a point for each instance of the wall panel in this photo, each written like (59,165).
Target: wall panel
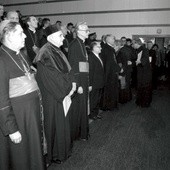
(123,17)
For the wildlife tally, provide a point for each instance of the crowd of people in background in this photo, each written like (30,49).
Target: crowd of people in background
(56,79)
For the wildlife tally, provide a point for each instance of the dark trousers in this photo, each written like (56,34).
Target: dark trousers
(95,96)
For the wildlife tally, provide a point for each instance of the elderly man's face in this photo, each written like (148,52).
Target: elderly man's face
(13,16)
(111,40)
(58,38)
(17,38)
(83,31)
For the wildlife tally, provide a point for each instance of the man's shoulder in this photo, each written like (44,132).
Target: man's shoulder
(126,48)
(74,44)
(2,53)
(25,30)
(75,41)
(3,57)
(109,49)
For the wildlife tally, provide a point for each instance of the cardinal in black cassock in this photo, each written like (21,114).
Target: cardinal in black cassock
(55,82)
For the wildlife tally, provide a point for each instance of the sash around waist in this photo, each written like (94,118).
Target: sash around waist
(23,85)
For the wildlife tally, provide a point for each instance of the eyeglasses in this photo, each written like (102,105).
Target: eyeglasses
(84,30)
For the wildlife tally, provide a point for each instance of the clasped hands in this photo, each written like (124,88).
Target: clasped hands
(15,137)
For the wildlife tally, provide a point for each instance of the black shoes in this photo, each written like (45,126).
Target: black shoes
(95,117)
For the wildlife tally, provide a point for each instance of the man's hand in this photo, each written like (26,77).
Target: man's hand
(74,86)
(129,62)
(80,90)
(35,49)
(90,88)
(16,137)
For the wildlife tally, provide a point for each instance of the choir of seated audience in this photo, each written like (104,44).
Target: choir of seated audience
(78,77)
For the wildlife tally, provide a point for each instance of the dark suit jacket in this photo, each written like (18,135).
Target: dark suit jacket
(96,73)
(42,37)
(125,55)
(111,68)
(144,74)
(30,41)
(69,37)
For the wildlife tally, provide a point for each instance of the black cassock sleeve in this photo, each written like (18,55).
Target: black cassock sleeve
(8,124)
(74,59)
(58,84)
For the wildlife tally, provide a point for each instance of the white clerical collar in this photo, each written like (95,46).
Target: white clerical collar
(17,52)
(33,30)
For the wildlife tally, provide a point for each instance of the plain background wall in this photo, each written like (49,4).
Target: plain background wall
(118,17)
